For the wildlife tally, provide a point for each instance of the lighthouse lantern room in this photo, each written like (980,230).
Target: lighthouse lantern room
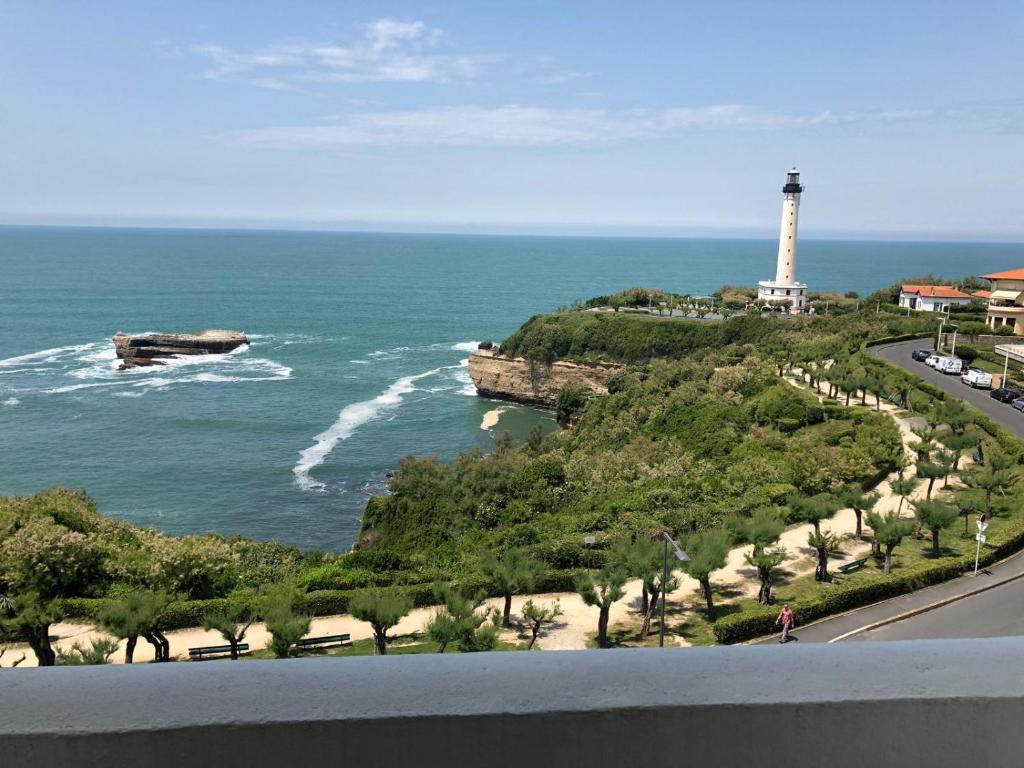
(785,289)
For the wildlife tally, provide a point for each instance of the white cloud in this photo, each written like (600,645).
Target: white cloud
(524,126)
(387,50)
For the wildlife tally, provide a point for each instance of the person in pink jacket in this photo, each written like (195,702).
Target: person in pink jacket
(787,620)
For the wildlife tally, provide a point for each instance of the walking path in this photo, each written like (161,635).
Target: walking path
(571,630)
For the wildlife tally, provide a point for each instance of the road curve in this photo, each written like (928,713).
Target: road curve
(899,355)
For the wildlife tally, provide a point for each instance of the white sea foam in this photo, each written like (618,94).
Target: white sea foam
(465,346)
(128,394)
(45,355)
(462,376)
(349,420)
(11,401)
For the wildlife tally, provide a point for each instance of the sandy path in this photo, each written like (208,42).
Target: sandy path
(578,621)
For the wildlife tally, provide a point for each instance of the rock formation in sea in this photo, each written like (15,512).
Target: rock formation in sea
(134,351)
(531,382)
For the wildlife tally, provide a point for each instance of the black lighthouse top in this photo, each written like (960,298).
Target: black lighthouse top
(793,182)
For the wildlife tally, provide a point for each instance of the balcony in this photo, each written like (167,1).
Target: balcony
(936,703)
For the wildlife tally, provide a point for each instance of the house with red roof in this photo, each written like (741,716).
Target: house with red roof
(1005,304)
(932,298)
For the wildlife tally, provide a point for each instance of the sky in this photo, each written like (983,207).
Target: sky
(654,118)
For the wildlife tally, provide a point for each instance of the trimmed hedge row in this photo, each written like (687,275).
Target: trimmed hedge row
(761,621)
(322,602)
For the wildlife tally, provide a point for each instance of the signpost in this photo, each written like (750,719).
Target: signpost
(980,538)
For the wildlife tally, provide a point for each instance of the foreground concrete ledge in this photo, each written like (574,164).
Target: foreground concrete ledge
(953,702)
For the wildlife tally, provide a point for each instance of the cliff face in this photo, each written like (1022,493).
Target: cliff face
(526,381)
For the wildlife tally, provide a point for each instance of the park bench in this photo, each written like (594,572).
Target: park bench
(215,650)
(853,565)
(316,642)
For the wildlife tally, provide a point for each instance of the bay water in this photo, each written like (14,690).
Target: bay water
(358,355)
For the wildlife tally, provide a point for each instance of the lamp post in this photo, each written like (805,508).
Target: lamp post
(955,328)
(681,557)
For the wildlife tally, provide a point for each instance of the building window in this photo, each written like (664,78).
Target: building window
(787,292)
(1011,322)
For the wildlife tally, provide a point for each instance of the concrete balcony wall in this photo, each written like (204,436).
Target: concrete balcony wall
(934,703)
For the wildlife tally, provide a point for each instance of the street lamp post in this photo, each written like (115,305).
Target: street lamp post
(952,350)
(681,557)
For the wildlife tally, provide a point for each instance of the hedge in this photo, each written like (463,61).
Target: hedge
(761,620)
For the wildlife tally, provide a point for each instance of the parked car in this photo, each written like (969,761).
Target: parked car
(974,377)
(1004,394)
(1018,404)
(950,365)
(932,359)
(921,354)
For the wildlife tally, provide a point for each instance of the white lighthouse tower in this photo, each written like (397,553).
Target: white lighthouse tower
(784,289)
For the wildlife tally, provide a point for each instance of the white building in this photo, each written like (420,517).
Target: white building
(932,298)
(784,289)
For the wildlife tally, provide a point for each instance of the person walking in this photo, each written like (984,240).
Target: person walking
(786,619)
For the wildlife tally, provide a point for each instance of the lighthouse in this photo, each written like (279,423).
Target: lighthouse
(784,289)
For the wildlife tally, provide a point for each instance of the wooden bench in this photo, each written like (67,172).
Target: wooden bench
(316,642)
(853,565)
(215,650)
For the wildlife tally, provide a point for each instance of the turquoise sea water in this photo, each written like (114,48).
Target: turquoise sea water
(357,355)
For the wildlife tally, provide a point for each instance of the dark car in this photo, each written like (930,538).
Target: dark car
(1004,395)
(921,354)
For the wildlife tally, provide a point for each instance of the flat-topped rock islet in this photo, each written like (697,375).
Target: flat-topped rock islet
(148,349)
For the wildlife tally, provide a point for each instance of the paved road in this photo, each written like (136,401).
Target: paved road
(828,630)
(996,613)
(1001,413)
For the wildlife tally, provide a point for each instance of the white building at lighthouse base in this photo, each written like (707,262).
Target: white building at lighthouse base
(773,292)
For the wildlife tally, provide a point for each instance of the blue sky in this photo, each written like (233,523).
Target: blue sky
(576,117)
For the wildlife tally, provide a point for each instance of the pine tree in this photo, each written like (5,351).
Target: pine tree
(382,609)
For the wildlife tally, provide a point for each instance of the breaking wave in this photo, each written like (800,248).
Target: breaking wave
(349,420)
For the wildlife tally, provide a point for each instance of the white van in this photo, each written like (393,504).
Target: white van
(950,365)
(977,379)
(931,360)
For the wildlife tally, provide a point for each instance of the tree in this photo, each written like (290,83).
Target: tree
(823,543)
(990,479)
(511,574)
(813,509)
(232,623)
(931,471)
(889,530)
(602,590)
(458,621)
(954,414)
(40,562)
(537,616)
(642,559)
(137,614)
(29,617)
(382,609)
(935,516)
(708,552)
(853,496)
(903,487)
(14,663)
(286,622)
(762,529)
(958,443)
(926,442)
(98,651)
(945,459)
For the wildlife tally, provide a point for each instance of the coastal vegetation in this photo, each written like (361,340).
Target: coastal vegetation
(721,433)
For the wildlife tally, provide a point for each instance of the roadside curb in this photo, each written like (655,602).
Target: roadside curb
(924,609)
(906,614)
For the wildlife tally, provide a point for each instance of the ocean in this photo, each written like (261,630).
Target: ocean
(358,355)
